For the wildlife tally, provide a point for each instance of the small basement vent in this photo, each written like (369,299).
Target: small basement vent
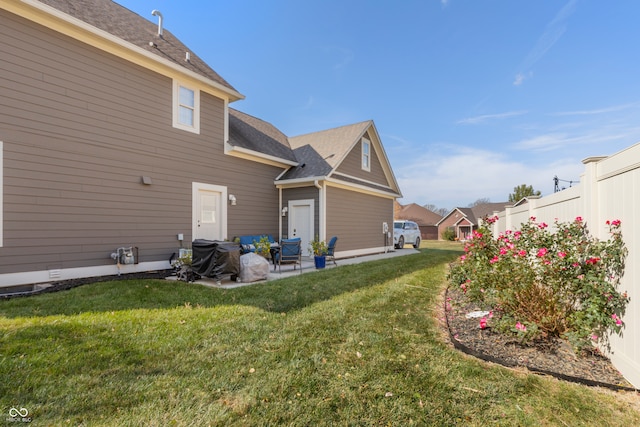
(55,274)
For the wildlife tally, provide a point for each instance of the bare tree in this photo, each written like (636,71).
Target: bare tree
(433,208)
(479,202)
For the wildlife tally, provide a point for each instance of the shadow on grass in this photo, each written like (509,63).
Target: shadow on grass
(284,295)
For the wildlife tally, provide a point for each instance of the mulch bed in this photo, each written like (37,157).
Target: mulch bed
(555,358)
(64,285)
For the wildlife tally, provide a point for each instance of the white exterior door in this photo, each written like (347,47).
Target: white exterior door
(209,212)
(301,220)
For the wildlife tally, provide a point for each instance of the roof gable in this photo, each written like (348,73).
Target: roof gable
(461,213)
(111,27)
(332,147)
(476,213)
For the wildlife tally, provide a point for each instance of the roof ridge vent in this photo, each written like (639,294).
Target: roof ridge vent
(157,13)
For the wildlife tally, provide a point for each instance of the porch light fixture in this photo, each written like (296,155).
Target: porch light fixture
(232,199)
(284,211)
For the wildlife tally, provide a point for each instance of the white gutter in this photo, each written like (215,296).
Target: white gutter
(229,149)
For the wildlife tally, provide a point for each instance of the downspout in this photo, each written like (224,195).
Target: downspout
(322,232)
(279,212)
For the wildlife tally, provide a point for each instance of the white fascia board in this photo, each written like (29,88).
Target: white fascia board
(335,183)
(256,156)
(296,182)
(363,188)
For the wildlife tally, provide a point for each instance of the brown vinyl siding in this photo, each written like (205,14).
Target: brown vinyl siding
(80,128)
(352,165)
(356,218)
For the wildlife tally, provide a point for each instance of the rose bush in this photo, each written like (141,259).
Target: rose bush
(543,283)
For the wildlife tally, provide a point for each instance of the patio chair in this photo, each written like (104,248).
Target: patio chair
(290,252)
(331,249)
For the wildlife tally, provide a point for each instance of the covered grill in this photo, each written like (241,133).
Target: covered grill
(215,259)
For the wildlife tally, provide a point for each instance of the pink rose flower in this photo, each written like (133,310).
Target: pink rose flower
(617,319)
(483,323)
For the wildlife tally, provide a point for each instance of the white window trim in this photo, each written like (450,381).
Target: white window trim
(176,108)
(367,166)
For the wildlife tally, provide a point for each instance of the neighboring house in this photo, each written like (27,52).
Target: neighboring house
(425,219)
(113,134)
(464,220)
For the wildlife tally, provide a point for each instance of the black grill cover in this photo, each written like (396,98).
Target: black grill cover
(213,258)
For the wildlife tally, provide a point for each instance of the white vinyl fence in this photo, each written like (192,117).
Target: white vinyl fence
(609,189)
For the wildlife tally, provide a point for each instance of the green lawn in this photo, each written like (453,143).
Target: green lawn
(355,345)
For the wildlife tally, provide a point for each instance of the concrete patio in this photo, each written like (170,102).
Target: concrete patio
(307,267)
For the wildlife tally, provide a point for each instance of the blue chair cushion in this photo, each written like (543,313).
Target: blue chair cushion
(248,242)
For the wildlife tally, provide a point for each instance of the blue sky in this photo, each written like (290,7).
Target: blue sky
(470,97)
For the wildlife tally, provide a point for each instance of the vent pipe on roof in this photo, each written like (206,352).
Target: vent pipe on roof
(159,15)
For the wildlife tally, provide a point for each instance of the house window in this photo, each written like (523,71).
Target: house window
(186,107)
(366,154)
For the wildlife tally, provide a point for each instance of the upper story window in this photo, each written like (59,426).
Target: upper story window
(186,107)
(366,154)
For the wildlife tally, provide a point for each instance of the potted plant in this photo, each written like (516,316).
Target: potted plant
(319,249)
(263,247)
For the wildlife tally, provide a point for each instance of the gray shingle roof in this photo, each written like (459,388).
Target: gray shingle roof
(257,135)
(419,214)
(479,211)
(487,209)
(121,22)
(321,152)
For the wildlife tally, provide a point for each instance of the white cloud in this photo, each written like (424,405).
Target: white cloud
(309,104)
(597,111)
(559,141)
(520,78)
(486,117)
(450,176)
(552,33)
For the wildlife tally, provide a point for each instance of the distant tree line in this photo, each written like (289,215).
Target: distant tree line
(519,192)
